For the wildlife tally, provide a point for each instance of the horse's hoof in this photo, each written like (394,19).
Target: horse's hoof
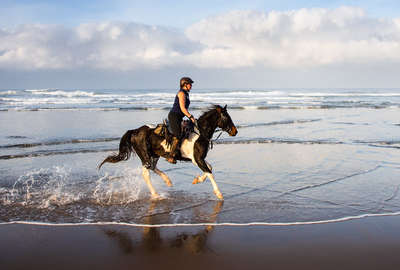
(195,181)
(156,197)
(219,195)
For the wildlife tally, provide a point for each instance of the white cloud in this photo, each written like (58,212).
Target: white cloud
(292,39)
(111,45)
(305,37)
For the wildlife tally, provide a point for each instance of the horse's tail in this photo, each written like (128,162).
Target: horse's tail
(125,150)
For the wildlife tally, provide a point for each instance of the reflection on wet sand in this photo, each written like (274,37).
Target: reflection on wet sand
(152,240)
(123,240)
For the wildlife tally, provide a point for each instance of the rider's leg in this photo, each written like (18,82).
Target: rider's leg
(175,125)
(174,150)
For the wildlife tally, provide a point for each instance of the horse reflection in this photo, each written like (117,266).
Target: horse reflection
(151,240)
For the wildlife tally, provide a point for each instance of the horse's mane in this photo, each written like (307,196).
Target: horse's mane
(209,111)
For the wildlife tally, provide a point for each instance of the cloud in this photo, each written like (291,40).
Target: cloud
(301,38)
(292,39)
(111,45)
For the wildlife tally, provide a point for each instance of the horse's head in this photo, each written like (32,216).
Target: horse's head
(225,122)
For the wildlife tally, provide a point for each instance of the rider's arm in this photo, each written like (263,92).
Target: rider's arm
(181,97)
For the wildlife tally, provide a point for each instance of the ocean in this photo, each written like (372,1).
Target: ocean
(301,156)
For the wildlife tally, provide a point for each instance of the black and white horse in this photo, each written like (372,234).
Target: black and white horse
(150,146)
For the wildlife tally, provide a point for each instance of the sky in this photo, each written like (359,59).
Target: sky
(221,44)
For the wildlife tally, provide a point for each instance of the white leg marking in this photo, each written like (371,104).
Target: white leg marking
(215,186)
(163,176)
(200,179)
(146,177)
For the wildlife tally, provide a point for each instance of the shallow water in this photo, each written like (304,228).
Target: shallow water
(285,166)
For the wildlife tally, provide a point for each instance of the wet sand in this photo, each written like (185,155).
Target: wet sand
(285,166)
(367,243)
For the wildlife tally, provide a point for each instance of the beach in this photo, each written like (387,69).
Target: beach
(310,181)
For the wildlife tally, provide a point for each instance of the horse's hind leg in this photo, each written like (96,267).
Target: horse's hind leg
(163,176)
(146,177)
(161,173)
(146,165)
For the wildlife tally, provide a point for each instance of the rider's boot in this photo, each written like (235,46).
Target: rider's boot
(174,150)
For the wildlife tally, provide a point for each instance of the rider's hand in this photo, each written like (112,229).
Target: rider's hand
(192,119)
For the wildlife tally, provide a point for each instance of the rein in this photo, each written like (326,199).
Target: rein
(211,141)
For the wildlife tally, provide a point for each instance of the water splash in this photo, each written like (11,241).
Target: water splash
(123,187)
(59,186)
(42,188)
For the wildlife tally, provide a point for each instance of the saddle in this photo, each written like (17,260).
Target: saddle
(163,130)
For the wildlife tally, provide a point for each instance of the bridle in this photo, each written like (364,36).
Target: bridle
(220,130)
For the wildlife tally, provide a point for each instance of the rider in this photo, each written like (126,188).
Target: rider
(176,114)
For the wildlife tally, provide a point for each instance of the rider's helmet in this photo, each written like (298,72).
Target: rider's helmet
(184,81)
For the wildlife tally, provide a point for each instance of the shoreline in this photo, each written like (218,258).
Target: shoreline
(215,224)
(367,243)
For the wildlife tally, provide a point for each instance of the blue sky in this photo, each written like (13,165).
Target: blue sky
(168,13)
(224,44)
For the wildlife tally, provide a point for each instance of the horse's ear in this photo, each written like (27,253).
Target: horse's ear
(225,107)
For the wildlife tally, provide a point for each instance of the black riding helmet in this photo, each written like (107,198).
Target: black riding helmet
(185,80)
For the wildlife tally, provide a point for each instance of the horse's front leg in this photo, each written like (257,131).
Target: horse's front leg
(204,166)
(201,178)
(215,186)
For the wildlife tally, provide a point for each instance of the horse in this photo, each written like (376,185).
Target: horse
(149,146)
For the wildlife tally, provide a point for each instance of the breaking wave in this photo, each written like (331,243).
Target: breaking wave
(60,99)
